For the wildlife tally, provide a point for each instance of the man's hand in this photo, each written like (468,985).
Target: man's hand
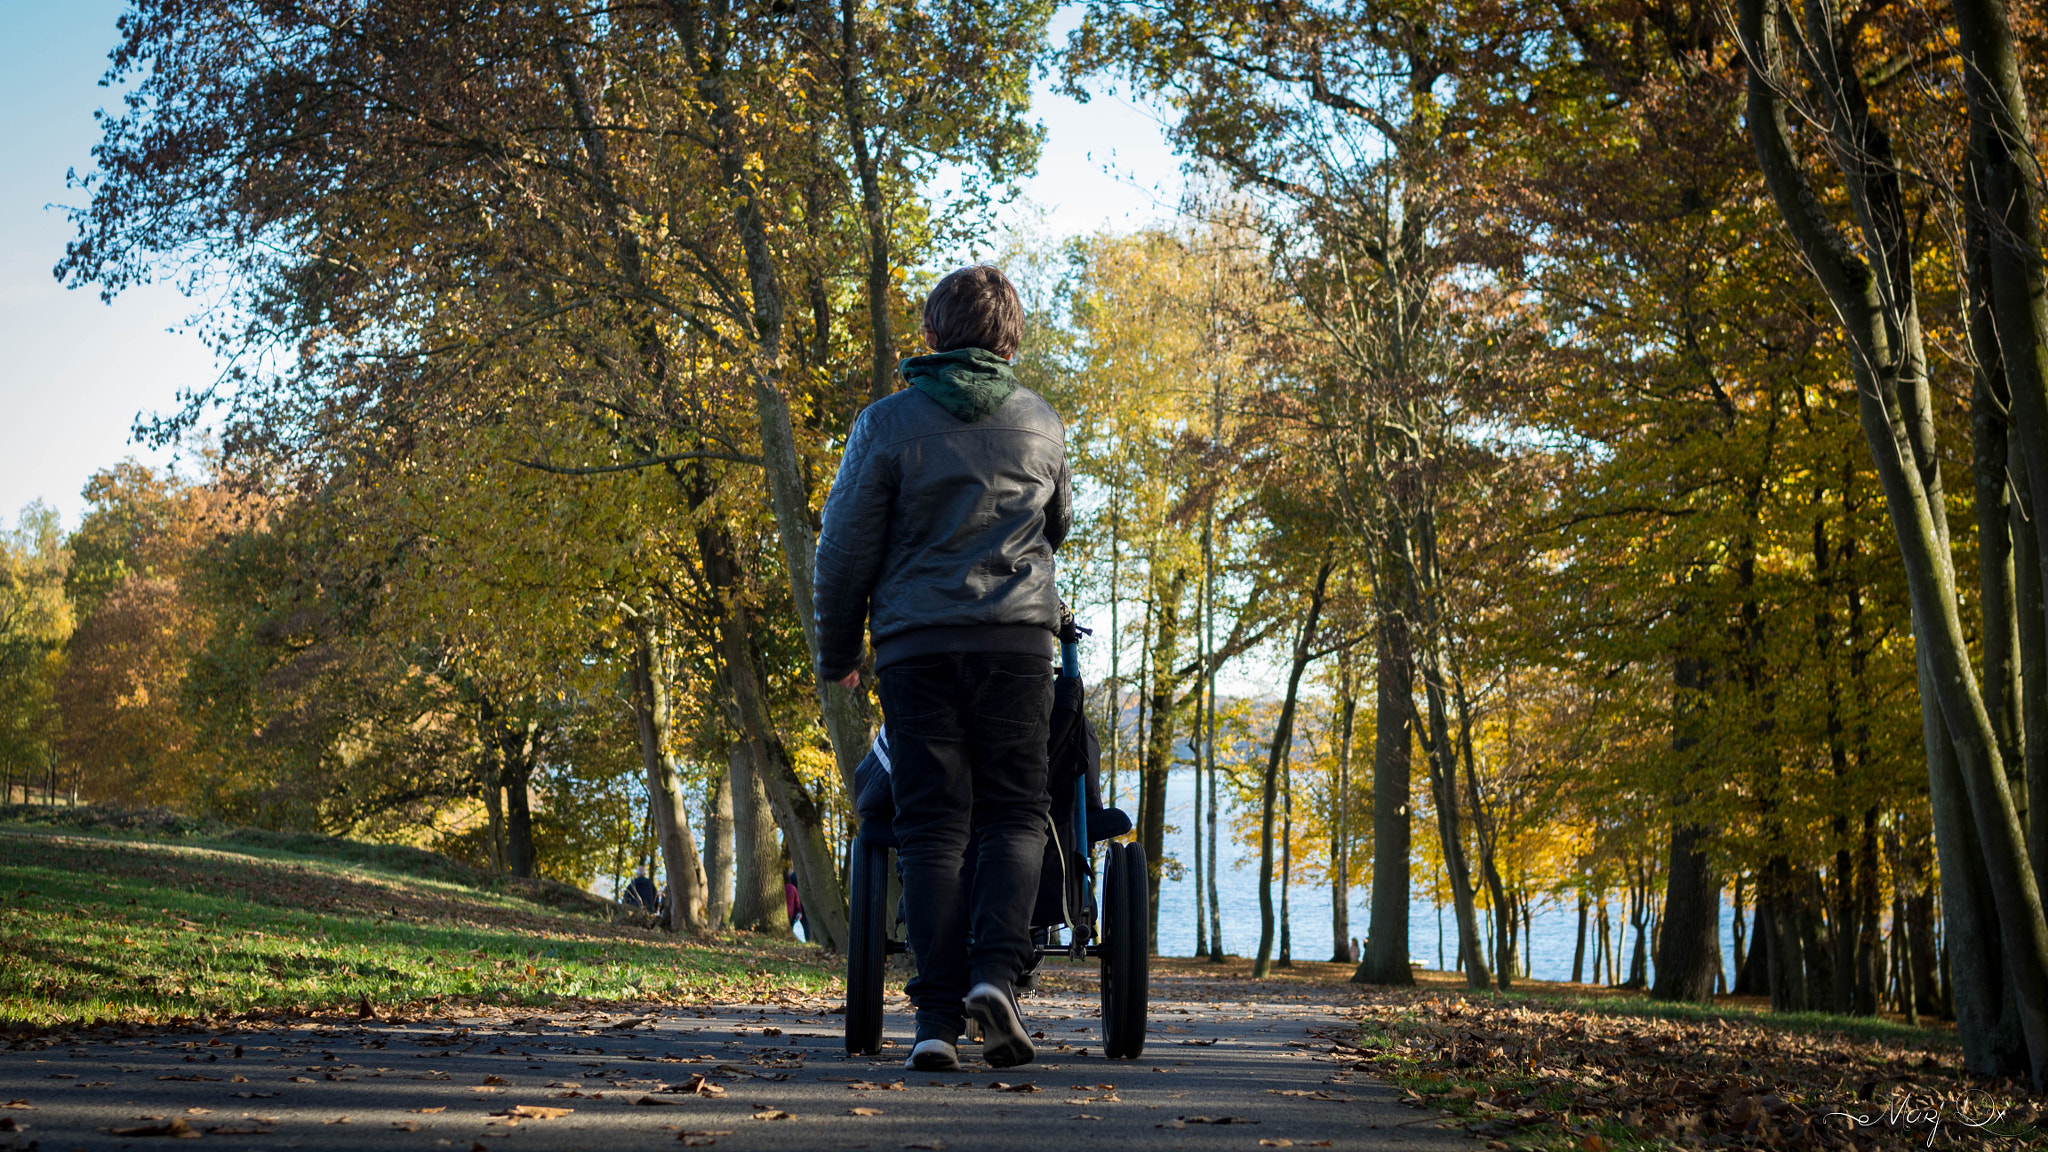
(850,680)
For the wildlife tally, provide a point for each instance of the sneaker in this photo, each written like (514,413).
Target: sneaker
(933,1056)
(1004,1043)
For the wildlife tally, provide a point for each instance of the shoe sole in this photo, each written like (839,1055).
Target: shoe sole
(933,1064)
(1003,1041)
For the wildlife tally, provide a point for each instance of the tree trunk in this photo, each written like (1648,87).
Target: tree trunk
(1639,956)
(666,804)
(2009,287)
(518,779)
(1869,938)
(848,718)
(1276,757)
(1159,741)
(2032,609)
(757,902)
(1735,926)
(1504,964)
(1579,948)
(1689,935)
(1878,312)
(1215,901)
(799,814)
(718,857)
(1992,457)
(1753,977)
(866,165)
(1286,861)
(1195,746)
(1340,820)
(490,771)
(1443,777)
(1603,947)
(1976,962)
(1386,942)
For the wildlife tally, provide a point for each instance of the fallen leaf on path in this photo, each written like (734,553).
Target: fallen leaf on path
(534,1112)
(868,1086)
(257,1095)
(484,1088)
(494,1080)
(176,1129)
(430,1111)
(1083,1116)
(295,1079)
(1309,1094)
(863,1111)
(1026,1086)
(341,1120)
(7,1124)
(631,1022)
(18,1104)
(1201,1043)
(195,1077)
(1282,1142)
(927,1145)
(773,1114)
(1218,1120)
(655,1100)
(1171,1124)
(406,1125)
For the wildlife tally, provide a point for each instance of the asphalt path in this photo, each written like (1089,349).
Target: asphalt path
(1226,1066)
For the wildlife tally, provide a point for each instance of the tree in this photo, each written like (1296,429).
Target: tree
(35,621)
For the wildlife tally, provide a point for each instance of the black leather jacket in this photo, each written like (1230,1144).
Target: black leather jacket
(944,529)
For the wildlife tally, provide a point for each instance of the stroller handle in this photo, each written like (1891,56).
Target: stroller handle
(1070,634)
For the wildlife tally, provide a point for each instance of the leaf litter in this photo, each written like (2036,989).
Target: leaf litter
(1728,1081)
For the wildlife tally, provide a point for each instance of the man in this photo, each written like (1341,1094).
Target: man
(939,537)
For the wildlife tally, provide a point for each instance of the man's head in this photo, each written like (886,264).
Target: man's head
(974,307)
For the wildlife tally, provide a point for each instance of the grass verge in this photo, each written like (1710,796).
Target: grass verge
(100,928)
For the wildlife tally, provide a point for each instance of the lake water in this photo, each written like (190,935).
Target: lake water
(1553,929)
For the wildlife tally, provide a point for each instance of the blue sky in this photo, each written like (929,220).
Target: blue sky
(74,373)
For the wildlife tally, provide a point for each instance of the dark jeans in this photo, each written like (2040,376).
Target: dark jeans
(967,732)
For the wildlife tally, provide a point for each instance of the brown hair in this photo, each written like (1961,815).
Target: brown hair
(975,307)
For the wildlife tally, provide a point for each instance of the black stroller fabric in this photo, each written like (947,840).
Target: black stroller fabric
(1073,754)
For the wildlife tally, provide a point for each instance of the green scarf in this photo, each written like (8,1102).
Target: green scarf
(968,382)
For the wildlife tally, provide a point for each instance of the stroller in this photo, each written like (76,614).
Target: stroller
(1117,935)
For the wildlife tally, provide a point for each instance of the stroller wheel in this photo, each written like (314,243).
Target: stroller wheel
(1126,952)
(867,949)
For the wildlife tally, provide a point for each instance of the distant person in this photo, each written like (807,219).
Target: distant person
(640,893)
(793,902)
(938,541)
(1356,952)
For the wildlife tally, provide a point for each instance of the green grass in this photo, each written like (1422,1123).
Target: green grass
(104,927)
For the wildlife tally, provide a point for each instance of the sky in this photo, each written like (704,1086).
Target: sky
(75,373)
